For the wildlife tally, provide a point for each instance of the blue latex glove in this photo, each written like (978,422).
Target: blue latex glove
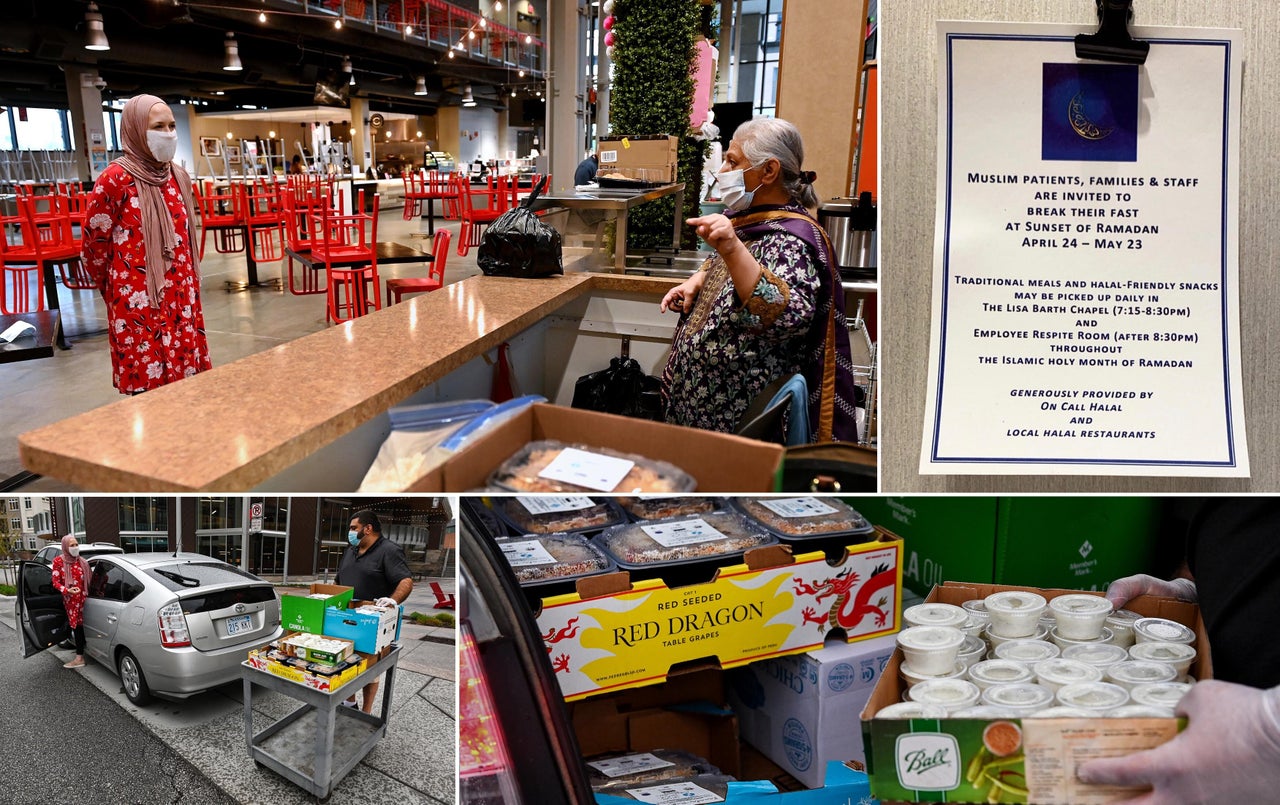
(1229,752)
(1122,591)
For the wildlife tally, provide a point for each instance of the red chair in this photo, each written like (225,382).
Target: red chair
(456,185)
(350,239)
(415,189)
(474,220)
(45,241)
(438,187)
(261,206)
(434,280)
(302,214)
(221,213)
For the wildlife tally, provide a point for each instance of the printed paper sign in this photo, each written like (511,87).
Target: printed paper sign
(1085,296)
(797,507)
(629,764)
(675,794)
(592,470)
(525,553)
(685,532)
(553,505)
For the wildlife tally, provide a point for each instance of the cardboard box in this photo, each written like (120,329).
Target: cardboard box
(325,683)
(845,786)
(918,760)
(298,613)
(796,709)
(1065,542)
(310,654)
(719,461)
(370,632)
(611,635)
(650,152)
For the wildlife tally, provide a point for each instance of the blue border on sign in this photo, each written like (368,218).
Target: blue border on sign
(934,458)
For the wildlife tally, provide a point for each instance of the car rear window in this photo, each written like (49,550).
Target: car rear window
(181,576)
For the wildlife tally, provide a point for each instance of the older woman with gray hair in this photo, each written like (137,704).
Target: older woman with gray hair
(768,304)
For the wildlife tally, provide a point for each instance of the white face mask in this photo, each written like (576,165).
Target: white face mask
(74,550)
(733,190)
(163,144)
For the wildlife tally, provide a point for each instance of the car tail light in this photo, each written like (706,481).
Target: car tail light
(173,626)
(484,764)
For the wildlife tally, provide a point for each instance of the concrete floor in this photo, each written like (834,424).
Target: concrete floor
(39,392)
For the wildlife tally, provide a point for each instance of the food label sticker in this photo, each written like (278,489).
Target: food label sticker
(629,764)
(591,470)
(685,532)
(626,143)
(552,505)
(797,507)
(608,156)
(526,552)
(682,793)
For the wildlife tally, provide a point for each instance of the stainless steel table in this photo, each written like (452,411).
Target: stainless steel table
(318,744)
(617,204)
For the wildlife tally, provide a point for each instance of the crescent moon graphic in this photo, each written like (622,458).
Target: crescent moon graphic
(1081,124)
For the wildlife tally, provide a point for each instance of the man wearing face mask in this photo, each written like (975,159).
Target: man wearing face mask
(138,236)
(378,571)
(769,304)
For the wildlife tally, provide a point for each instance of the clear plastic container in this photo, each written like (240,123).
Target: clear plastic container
(1014,613)
(1026,651)
(1177,655)
(1100,655)
(1058,673)
(949,694)
(661,508)
(692,790)
(1121,624)
(1059,711)
(1065,643)
(645,768)
(549,561)
(996,641)
(910,678)
(930,650)
(1141,711)
(911,710)
(1095,697)
(682,550)
(552,466)
(1079,616)
(1023,698)
(808,523)
(1160,694)
(972,650)
(1161,630)
(987,673)
(551,514)
(1134,672)
(935,615)
(985,712)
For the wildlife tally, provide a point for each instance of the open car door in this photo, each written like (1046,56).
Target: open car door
(41,615)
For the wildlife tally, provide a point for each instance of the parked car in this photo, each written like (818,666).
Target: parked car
(87,549)
(168,624)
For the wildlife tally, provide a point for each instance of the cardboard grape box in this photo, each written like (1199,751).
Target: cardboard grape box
(299,613)
(325,683)
(612,634)
(942,760)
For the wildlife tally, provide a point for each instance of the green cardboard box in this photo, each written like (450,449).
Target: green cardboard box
(1064,542)
(299,613)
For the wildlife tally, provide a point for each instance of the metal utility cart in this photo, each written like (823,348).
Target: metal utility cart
(316,745)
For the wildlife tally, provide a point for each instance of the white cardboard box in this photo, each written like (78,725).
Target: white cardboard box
(802,710)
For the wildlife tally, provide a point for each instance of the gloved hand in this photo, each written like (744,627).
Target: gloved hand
(1229,752)
(1122,591)
(387,603)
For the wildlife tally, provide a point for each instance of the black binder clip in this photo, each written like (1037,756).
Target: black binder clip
(1112,42)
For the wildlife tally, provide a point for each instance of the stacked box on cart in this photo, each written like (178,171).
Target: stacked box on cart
(371,632)
(262,660)
(301,613)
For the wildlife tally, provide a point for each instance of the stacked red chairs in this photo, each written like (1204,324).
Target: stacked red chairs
(302,215)
(434,280)
(44,226)
(415,190)
(349,240)
(440,187)
(474,219)
(261,206)
(220,212)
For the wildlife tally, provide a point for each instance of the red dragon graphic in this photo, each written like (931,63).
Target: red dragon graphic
(554,636)
(841,614)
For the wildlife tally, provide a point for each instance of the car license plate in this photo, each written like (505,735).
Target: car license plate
(240,623)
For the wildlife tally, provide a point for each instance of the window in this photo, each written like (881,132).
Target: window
(144,514)
(26,503)
(275,514)
(112,583)
(219,513)
(760,44)
(31,524)
(43,129)
(13,504)
(15,523)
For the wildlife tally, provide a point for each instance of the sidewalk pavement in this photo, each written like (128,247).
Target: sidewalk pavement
(415,763)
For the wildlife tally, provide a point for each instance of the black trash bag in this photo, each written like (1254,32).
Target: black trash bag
(622,389)
(518,244)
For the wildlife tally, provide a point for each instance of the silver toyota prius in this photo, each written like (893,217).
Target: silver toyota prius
(169,624)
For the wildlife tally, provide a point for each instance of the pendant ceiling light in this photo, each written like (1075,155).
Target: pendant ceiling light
(421,88)
(231,58)
(467,98)
(96,37)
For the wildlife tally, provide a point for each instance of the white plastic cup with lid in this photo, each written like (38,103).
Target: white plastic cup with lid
(988,673)
(1095,697)
(1079,616)
(1014,613)
(910,710)
(949,694)
(1061,711)
(1161,630)
(930,650)
(1140,711)
(910,678)
(1160,694)
(1023,698)
(996,641)
(1100,655)
(973,649)
(1121,623)
(1135,672)
(935,615)
(1064,642)
(1178,655)
(1027,651)
(1057,673)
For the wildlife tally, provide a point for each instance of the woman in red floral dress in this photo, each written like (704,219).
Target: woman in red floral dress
(139,232)
(71,578)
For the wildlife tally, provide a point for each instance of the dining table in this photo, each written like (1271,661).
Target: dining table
(616,203)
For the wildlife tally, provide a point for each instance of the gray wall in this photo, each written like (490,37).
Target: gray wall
(909,176)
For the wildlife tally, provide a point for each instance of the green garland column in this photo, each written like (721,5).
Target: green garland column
(652,93)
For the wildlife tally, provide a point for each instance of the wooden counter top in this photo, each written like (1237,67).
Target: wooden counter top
(239,424)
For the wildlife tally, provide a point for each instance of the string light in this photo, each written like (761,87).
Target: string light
(408,30)
(262,16)
(337,24)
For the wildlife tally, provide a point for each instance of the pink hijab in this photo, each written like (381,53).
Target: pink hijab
(68,561)
(150,175)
